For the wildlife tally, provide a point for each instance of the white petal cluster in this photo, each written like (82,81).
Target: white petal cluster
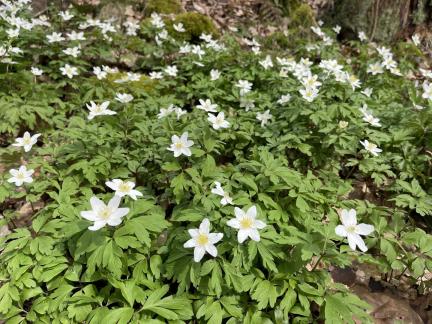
(203,241)
(27,141)
(352,231)
(181,145)
(246,224)
(103,215)
(218,190)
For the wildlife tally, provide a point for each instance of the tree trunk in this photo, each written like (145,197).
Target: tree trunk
(381,20)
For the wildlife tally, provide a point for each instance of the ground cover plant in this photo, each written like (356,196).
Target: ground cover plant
(200,177)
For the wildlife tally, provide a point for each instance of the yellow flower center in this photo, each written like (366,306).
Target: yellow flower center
(179,145)
(351,229)
(371,147)
(20,176)
(124,187)
(246,223)
(26,140)
(105,213)
(202,239)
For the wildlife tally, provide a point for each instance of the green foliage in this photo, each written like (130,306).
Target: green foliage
(163,7)
(195,25)
(299,170)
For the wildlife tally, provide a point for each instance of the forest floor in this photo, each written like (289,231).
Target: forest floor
(392,299)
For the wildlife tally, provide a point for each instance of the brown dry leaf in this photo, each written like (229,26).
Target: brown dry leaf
(387,308)
(4,230)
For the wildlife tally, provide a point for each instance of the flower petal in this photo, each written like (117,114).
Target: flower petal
(189,244)
(234,223)
(254,235)
(242,235)
(252,212)
(97,225)
(239,213)
(88,214)
(364,229)
(341,231)
(96,203)
(114,202)
(211,249)
(204,227)
(114,221)
(199,253)
(119,212)
(348,217)
(260,224)
(215,237)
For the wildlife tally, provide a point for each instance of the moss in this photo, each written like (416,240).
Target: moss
(302,16)
(163,7)
(145,84)
(195,24)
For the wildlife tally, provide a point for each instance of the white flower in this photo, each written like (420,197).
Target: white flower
(264,117)
(13,33)
(55,37)
(343,124)
(311,81)
(337,29)
(36,71)
(179,112)
(416,39)
(375,68)
(367,92)
(21,175)
(245,86)
(65,15)
(309,94)
(157,21)
(69,71)
(214,74)
(426,73)
(353,81)
(163,112)
(171,70)
(155,75)
(27,141)
(99,109)
(372,148)
(247,224)
(76,36)
(352,231)
(218,121)
(102,214)
(384,51)
(318,31)
(185,48)
(418,107)
(180,145)
(123,188)
(284,99)
(427,90)
(247,104)
(179,28)
(196,49)
(124,97)
(203,241)
(206,37)
(73,51)
(218,190)
(267,62)
(369,118)
(362,36)
(206,105)
(100,74)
